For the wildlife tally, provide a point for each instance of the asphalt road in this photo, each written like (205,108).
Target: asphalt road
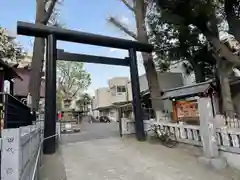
(92,132)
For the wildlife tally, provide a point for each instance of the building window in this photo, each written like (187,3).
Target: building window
(121,89)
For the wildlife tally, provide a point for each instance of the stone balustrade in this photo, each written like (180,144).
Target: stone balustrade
(19,152)
(20,148)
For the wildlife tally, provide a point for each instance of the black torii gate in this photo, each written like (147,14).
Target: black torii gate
(52,34)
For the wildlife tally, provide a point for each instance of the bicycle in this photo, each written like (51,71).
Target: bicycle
(166,137)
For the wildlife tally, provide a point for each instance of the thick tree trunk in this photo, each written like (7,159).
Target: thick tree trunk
(222,50)
(236,103)
(199,75)
(42,17)
(223,71)
(198,72)
(36,71)
(225,60)
(151,73)
(37,59)
(153,82)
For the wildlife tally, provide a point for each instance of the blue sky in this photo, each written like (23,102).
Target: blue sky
(83,15)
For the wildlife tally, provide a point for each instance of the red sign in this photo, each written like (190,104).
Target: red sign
(187,109)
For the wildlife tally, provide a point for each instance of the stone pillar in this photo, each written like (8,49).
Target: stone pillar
(159,110)
(208,134)
(159,115)
(207,128)
(11,154)
(11,87)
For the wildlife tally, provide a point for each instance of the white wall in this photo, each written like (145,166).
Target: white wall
(167,80)
(95,113)
(143,83)
(118,97)
(103,97)
(120,81)
(113,114)
(178,68)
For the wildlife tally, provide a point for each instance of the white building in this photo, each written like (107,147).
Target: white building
(107,100)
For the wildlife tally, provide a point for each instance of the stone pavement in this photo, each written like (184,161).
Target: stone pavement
(52,167)
(97,153)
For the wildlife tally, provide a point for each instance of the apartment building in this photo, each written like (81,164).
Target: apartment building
(107,100)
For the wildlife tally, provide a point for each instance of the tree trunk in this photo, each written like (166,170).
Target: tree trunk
(221,50)
(198,71)
(37,59)
(223,71)
(151,73)
(42,17)
(199,75)
(211,33)
(36,72)
(236,103)
(225,60)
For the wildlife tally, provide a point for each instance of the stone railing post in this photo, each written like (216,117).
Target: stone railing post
(10,157)
(58,130)
(182,130)
(208,134)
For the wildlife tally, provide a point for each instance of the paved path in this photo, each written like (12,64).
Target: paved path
(97,153)
(91,132)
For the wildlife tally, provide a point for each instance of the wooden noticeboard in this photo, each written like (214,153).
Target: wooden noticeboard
(186,110)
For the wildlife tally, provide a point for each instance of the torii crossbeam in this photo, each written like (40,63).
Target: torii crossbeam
(52,34)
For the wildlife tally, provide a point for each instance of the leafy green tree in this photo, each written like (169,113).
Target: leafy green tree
(73,79)
(206,16)
(179,43)
(83,102)
(10,50)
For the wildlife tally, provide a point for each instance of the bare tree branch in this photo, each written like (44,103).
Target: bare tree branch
(62,87)
(49,12)
(128,5)
(71,84)
(76,91)
(120,26)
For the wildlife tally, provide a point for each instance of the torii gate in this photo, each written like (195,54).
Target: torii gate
(52,34)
